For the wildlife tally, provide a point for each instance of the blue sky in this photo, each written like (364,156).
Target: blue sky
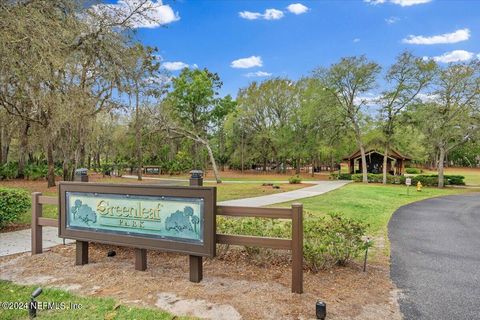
(213,34)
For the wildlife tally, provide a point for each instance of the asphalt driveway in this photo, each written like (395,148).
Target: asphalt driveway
(435,257)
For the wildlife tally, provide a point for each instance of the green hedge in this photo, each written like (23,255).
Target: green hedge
(426,180)
(13,202)
(340,176)
(413,170)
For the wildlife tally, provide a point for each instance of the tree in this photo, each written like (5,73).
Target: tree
(142,79)
(348,80)
(452,116)
(406,78)
(192,107)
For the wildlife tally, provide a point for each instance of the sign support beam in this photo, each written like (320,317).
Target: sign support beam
(81,253)
(140,259)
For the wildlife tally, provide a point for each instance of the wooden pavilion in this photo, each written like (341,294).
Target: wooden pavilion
(395,162)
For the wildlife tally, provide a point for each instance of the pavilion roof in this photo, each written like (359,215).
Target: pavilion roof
(392,153)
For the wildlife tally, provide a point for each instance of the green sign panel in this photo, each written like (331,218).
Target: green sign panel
(159,217)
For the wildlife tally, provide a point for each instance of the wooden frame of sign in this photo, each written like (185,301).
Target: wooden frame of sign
(127,225)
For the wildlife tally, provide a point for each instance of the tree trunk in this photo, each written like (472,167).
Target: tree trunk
(5,145)
(385,163)
(51,166)
(241,153)
(22,152)
(138,137)
(364,164)
(297,169)
(358,137)
(214,164)
(441,158)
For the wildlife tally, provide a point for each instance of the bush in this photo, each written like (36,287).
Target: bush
(344,176)
(295,180)
(8,171)
(432,180)
(413,170)
(333,240)
(328,241)
(36,171)
(13,202)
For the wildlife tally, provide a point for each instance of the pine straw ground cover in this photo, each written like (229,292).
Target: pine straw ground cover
(235,285)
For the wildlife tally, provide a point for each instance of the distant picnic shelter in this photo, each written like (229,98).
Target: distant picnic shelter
(395,162)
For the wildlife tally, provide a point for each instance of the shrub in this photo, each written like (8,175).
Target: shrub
(13,202)
(413,170)
(340,176)
(36,171)
(8,171)
(333,240)
(328,241)
(295,180)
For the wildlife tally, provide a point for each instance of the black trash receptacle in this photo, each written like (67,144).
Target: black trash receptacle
(81,175)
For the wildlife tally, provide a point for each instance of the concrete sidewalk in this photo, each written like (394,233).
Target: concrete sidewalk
(319,188)
(20,241)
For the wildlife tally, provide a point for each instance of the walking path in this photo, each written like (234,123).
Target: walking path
(319,188)
(20,241)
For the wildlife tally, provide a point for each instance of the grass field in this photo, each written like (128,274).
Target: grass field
(90,307)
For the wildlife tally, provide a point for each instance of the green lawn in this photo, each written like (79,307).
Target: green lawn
(91,307)
(373,204)
(472,175)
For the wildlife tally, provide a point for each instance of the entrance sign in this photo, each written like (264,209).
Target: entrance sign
(177,219)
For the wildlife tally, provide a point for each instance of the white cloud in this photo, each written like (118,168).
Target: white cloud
(454,56)
(297,8)
(478,56)
(374,2)
(453,37)
(250,15)
(272,14)
(392,20)
(402,3)
(356,40)
(269,14)
(407,3)
(174,65)
(150,14)
(258,74)
(250,62)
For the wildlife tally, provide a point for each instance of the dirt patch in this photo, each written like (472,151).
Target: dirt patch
(233,283)
(15,227)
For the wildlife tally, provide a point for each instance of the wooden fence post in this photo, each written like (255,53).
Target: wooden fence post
(36,229)
(297,248)
(196,262)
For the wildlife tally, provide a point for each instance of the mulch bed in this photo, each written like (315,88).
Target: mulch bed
(258,288)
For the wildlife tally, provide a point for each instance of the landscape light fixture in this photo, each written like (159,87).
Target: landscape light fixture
(321,310)
(196,174)
(32,306)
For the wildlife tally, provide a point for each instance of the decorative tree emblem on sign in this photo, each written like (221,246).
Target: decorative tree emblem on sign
(180,220)
(83,213)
